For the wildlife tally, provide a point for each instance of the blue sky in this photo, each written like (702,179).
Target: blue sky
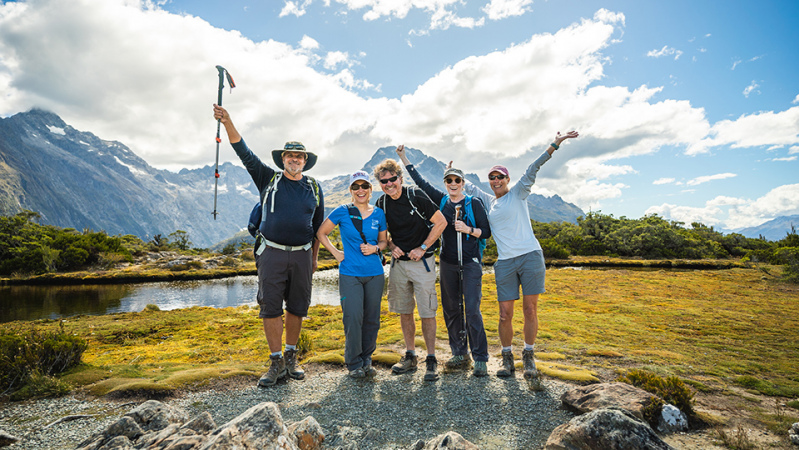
(687,109)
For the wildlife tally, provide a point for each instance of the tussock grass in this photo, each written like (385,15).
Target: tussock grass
(711,328)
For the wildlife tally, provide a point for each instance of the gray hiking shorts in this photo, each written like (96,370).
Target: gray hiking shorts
(527,271)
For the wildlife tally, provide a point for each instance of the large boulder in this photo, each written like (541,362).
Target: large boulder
(605,429)
(259,427)
(794,433)
(308,433)
(585,399)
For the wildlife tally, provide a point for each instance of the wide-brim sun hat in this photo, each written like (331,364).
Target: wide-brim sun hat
(454,171)
(359,175)
(294,146)
(500,169)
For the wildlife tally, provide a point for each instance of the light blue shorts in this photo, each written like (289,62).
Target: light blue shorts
(527,271)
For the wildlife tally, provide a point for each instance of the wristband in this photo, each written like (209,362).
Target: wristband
(471,231)
(556,146)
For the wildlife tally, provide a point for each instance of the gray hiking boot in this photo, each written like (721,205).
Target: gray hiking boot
(357,373)
(276,371)
(480,369)
(431,374)
(508,365)
(528,362)
(292,368)
(406,364)
(458,362)
(369,371)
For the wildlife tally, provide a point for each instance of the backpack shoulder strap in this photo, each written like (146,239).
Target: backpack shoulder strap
(357,220)
(314,187)
(271,187)
(411,196)
(443,202)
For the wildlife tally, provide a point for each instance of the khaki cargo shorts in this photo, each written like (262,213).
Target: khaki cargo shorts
(409,279)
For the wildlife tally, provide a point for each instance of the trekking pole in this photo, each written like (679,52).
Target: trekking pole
(464,332)
(222,73)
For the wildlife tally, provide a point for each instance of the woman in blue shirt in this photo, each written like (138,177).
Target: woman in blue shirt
(361,277)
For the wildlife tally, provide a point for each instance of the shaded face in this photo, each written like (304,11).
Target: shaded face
(498,181)
(391,184)
(454,185)
(360,191)
(294,162)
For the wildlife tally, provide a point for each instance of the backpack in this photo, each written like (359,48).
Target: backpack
(481,243)
(357,222)
(258,213)
(381,203)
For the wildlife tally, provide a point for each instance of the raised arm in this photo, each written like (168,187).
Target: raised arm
(435,194)
(223,116)
(526,182)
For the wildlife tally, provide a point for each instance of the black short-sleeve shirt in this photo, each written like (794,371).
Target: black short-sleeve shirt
(407,227)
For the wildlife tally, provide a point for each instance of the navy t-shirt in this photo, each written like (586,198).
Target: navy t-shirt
(296,216)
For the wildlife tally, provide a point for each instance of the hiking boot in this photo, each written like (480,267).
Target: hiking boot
(458,362)
(431,374)
(369,370)
(292,368)
(406,364)
(508,365)
(528,362)
(480,369)
(276,371)
(357,373)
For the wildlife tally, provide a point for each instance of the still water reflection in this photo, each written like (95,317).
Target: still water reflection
(53,302)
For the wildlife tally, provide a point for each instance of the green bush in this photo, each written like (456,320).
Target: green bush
(553,250)
(672,390)
(27,356)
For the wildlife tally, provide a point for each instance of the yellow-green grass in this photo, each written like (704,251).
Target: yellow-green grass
(712,328)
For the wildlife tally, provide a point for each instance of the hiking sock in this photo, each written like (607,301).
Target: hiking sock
(276,354)
(291,347)
(412,352)
(507,349)
(529,346)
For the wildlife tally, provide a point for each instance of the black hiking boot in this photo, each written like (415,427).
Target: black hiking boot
(276,371)
(294,371)
(431,374)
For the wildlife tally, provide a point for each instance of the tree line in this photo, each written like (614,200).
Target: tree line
(28,247)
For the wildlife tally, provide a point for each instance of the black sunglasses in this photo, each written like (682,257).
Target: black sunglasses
(456,180)
(359,186)
(389,180)
(497,177)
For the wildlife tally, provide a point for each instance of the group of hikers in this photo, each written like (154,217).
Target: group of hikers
(408,221)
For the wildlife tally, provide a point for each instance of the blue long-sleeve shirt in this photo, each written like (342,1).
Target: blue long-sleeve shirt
(449,247)
(296,216)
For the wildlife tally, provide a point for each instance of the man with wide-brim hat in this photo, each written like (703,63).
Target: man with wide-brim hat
(285,246)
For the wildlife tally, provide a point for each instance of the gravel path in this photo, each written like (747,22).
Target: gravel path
(389,411)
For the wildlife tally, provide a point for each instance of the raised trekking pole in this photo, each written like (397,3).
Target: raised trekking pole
(222,73)
(464,332)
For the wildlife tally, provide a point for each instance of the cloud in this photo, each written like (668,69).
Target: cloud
(664,181)
(699,180)
(795,100)
(665,51)
(735,213)
(296,8)
(766,128)
(787,158)
(751,88)
(793,150)
(441,12)
(501,9)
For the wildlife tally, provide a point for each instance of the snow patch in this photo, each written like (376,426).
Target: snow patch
(56,130)
(132,169)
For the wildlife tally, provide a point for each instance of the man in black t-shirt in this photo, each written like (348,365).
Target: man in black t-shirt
(414,225)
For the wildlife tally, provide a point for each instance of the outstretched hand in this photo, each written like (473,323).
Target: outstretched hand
(401,153)
(562,137)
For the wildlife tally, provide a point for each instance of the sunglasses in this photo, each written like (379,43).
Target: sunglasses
(389,180)
(456,180)
(359,186)
(291,146)
(497,177)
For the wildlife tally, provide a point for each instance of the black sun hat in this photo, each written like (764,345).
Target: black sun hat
(294,146)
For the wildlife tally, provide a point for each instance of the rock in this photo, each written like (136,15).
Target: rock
(794,433)
(605,395)
(259,427)
(153,415)
(450,440)
(308,432)
(605,429)
(125,426)
(203,423)
(117,443)
(7,439)
(672,420)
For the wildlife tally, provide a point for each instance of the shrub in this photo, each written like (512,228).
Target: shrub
(672,389)
(304,344)
(553,250)
(26,357)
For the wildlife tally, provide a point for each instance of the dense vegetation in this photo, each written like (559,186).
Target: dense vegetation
(27,247)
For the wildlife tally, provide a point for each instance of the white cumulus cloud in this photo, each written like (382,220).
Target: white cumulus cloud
(705,179)
(665,51)
(501,9)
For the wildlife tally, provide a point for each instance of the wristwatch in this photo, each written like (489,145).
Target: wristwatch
(423,247)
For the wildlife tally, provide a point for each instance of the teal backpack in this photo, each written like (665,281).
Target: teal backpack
(481,243)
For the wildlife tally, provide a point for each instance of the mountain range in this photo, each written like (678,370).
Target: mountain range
(75,179)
